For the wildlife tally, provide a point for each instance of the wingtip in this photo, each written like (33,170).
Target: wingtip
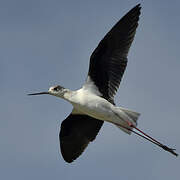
(138,7)
(68,161)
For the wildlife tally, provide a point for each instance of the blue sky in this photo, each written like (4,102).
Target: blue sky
(44,43)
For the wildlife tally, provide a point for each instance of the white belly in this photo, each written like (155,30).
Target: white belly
(97,107)
(92,105)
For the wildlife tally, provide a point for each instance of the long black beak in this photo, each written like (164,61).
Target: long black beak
(38,93)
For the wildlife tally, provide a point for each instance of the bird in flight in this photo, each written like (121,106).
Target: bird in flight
(94,102)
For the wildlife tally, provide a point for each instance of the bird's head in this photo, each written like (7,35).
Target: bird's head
(58,91)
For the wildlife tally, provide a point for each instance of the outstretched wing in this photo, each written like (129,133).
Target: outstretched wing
(76,133)
(109,59)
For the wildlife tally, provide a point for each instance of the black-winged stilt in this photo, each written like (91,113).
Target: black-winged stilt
(94,102)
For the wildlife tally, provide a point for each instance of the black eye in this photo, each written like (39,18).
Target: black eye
(56,89)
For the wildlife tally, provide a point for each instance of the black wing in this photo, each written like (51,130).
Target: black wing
(76,133)
(109,59)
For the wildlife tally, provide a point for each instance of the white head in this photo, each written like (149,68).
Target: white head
(58,91)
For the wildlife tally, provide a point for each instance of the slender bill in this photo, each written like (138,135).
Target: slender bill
(40,93)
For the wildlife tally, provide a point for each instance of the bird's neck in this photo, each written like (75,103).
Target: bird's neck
(68,94)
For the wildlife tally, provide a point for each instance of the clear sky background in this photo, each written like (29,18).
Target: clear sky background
(49,42)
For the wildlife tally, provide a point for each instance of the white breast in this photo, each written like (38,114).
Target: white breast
(91,104)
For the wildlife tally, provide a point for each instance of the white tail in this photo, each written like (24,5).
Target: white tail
(132,115)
